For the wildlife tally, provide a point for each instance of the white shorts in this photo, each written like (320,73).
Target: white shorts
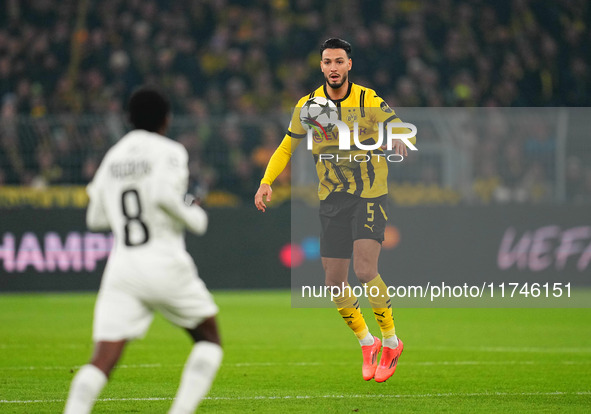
(129,296)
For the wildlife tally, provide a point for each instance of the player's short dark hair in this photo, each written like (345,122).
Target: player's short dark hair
(148,108)
(336,43)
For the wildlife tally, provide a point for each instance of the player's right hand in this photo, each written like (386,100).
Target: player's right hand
(263,194)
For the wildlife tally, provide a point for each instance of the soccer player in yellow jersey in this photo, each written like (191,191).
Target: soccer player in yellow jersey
(353,205)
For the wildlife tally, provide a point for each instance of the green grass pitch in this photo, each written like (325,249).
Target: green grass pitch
(283,360)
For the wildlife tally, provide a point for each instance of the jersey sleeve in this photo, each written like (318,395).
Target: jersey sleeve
(280,158)
(96,215)
(172,178)
(385,114)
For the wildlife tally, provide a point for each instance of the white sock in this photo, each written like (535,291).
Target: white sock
(85,387)
(367,340)
(391,342)
(198,374)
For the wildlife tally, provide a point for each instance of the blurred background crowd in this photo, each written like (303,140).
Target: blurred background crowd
(235,68)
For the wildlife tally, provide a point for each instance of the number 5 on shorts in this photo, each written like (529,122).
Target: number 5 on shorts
(370,212)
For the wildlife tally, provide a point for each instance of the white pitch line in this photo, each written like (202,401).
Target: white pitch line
(495,349)
(338,396)
(58,367)
(419,363)
(515,349)
(43,346)
(303,364)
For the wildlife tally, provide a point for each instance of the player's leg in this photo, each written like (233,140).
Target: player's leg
(365,265)
(107,354)
(336,247)
(201,367)
(186,302)
(336,271)
(91,378)
(370,226)
(118,318)
(206,331)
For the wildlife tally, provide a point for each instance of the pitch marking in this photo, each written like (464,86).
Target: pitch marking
(295,397)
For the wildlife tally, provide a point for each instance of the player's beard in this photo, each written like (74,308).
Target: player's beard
(336,85)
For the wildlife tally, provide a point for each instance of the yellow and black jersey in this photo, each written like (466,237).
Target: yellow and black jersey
(359,172)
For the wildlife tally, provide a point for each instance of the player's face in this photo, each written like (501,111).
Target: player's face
(335,66)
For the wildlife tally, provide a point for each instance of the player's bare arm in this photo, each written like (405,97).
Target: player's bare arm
(263,194)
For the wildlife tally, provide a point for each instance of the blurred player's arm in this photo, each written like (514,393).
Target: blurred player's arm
(172,180)
(96,215)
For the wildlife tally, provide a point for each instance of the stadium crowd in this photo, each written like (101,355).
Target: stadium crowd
(223,61)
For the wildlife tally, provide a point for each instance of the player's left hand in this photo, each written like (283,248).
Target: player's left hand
(197,196)
(189,199)
(398,147)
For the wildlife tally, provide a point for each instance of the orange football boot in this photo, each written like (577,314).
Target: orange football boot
(370,358)
(388,362)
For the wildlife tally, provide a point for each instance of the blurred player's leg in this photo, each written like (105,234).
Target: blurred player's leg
(86,386)
(91,378)
(200,369)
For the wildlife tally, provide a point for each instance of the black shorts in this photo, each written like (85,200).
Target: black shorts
(345,218)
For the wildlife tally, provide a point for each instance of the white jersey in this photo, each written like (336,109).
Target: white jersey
(138,193)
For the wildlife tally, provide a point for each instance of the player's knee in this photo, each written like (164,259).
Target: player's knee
(334,281)
(206,331)
(335,273)
(365,272)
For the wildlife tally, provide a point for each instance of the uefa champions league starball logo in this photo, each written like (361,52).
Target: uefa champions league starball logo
(319,115)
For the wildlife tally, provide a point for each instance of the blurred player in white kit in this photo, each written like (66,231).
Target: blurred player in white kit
(137,193)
